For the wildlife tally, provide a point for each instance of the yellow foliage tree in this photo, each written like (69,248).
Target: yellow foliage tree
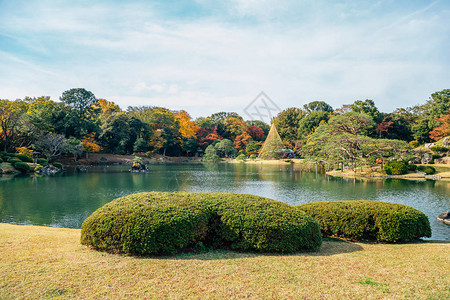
(187,127)
(89,144)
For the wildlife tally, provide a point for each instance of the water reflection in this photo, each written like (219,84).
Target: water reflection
(67,200)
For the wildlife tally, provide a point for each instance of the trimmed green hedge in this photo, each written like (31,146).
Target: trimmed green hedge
(369,220)
(24,158)
(429,170)
(42,161)
(22,167)
(13,160)
(58,165)
(165,223)
(395,168)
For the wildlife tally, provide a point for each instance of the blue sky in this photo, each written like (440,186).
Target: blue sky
(206,57)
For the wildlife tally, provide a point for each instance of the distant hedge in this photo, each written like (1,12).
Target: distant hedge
(369,220)
(165,223)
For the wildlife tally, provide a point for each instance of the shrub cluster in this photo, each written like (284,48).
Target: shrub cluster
(411,167)
(429,170)
(42,161)
(164,223)
(24,158)
(13,160)
(439,149)
(22,167)
(395,168)
(57,165)
(369,220)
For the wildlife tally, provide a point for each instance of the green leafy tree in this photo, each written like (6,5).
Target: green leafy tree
(73,146)
(224,147)
(367,107)
(310,122)
(210,154)
(81,115)
(287,123)
(12,123)
(190,145)
(316,106)
(120,132)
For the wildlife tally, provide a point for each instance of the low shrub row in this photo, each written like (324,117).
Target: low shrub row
(369,220)
(164,223)
(429,170)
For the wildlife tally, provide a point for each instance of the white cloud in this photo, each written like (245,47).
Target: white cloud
(135,56)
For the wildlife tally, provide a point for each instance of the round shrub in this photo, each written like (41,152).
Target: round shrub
(13,160)
(411,167)
(42,161)
(22,167)
(369,220)
(24,158)
(429,170)
(395,168)
(164,223)
(58,165)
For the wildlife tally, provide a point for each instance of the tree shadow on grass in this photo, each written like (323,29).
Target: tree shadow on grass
(329,247)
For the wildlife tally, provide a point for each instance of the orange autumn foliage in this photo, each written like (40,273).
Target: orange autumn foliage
(443,130)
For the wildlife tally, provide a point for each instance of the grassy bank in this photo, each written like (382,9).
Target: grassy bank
(43,262)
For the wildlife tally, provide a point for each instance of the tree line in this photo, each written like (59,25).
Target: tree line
(79,122)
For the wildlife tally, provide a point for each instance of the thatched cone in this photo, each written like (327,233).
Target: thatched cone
(273,146)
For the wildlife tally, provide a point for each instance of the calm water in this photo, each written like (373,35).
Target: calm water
(65,201)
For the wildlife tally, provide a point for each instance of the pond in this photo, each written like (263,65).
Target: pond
(66,200)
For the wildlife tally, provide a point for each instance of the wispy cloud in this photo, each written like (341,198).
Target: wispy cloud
(207,57)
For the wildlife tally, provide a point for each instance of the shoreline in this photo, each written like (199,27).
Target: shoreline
(112,159)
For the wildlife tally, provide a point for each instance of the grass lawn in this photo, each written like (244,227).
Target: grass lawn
(44,262)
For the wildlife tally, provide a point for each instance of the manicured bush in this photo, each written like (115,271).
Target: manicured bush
(411,167)
(434,156)
(369,220)
(42,161)
(22,167)
(253,156)
(164,223)
(58,165)
(395,168)
(13,160)
(439,149)
(24,158)
(429,170)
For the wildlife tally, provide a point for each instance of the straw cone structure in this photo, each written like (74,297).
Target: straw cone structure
(273,146)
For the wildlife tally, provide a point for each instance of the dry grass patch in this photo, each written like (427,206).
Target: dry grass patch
(43,262)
